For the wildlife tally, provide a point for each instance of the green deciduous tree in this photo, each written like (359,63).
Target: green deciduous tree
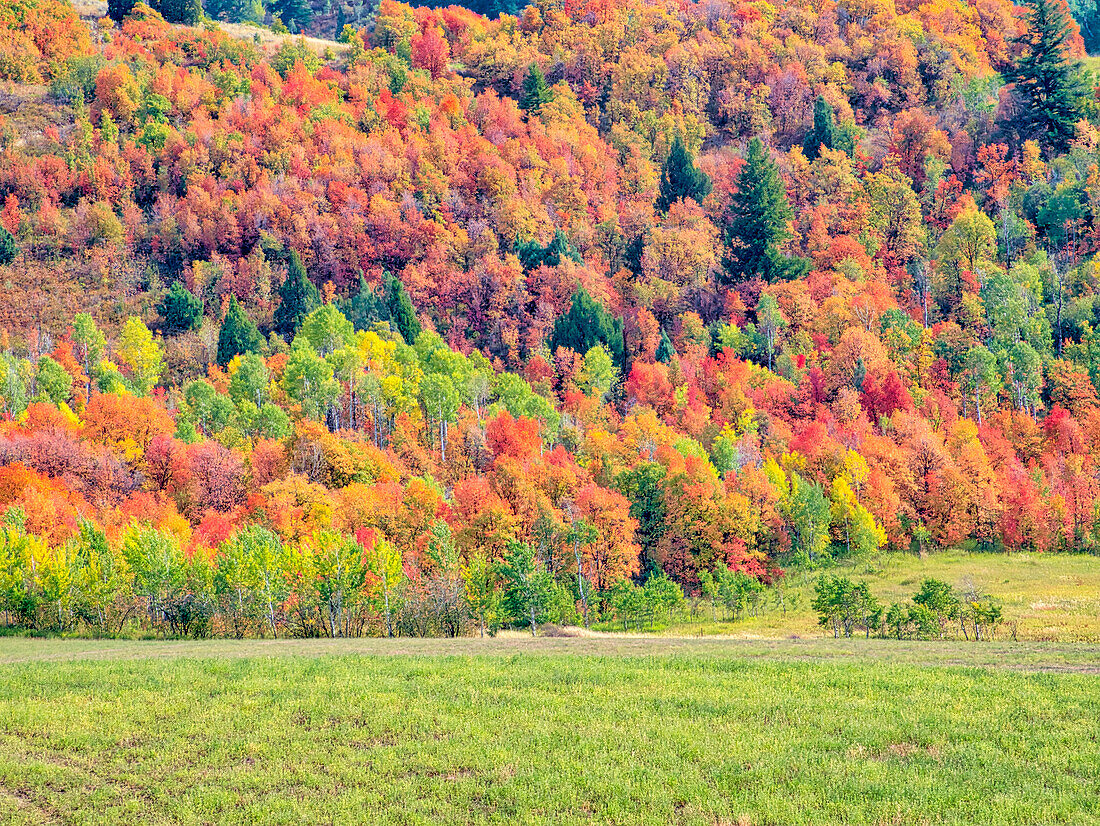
(441,402)
(383,561)
(941,600)
(308,380)
(769,323)
(528,586)
(327,330)
(981,379)
(598,375)
(141,353)
(250,381)
(845,606)
(206,407)
(807,511)
(482,595)
(54,383)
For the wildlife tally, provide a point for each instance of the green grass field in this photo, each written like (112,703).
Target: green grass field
(515,730)
(1046,597)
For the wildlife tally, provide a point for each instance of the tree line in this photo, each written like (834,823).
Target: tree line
(936,611)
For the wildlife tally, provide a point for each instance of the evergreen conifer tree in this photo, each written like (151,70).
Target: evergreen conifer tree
(401,311)
(118,9)
(531,255)
(586,325)
(824,133)
(1048,81)
(757,226)
(680,178)
(8,248)
(632,255)
(238,334)
(665,350)
(364,308)
(187,12)
(297,298)
(535,91)
(296,12)
(180,310)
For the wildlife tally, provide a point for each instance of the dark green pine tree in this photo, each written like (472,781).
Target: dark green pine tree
(1087,16)
(180,310)
(401,311)
(364,308)
(532,256)
(586,325)
(297,298)
(187,12)
(665,350)
(824,133)
(632,255)
(758,222)
(118,9)
(8,248)
(536,93)
(297,12)
(1049,83)
(238,334)
(680,178)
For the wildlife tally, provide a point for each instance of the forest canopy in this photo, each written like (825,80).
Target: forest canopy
(504,315)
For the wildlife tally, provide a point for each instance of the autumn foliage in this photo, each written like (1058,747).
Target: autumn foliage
(390,259)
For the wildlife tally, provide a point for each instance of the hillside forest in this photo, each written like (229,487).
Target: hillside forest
(469,321)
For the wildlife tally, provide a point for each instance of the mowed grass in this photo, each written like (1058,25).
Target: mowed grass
(622,731)
(1045,597)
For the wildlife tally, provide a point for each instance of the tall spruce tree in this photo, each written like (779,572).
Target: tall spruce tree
(824,133)
(680,178)
(187,12)
(238,334)
(364,308)
(8,248)
(400,308)
(297,298)
(758,222)
(296,13)
(535,91)
(532,256)
(118,9)
(665,350)
(1048,81)
(180,310)
(586,325)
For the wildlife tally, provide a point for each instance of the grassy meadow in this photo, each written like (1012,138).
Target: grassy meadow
(514,730)
(766,720)
(1045,597)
